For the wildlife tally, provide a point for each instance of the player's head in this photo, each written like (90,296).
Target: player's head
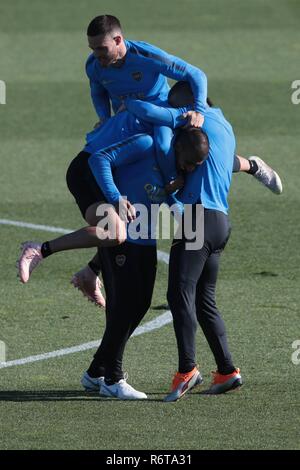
(181,94)
(106,40)
(191,148)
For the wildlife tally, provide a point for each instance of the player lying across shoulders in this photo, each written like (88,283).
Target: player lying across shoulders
(120,68)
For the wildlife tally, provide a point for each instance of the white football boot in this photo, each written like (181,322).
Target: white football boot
(267,176)
(121,390)
(91,384)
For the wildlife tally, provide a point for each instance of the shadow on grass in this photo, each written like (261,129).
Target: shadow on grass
(59,395)
(47,395)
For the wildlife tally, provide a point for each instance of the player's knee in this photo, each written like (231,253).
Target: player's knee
(179,293)
(206,309)
(93,215)
(90,218)
(117,234)
(174,296)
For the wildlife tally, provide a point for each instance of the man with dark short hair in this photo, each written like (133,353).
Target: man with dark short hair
(119,68)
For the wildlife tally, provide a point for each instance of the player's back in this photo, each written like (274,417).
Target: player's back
(117,128)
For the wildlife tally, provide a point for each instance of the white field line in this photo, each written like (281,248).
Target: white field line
(158,322)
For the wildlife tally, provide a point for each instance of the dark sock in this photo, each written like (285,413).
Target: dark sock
(253,167)
(109,381)
(95,370)
(236,165)
(112,381)
(45,250)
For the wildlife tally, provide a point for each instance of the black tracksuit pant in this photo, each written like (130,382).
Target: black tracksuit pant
(128,273)
(191,293)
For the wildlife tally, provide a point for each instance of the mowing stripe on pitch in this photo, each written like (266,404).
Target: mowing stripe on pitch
(158,322)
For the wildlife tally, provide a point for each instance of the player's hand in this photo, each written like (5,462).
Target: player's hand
(195,119)
(174,185)
(126,210)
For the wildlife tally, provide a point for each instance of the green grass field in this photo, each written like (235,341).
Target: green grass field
(250,52)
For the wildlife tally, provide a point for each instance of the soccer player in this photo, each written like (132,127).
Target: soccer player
(193,273)
(119,68)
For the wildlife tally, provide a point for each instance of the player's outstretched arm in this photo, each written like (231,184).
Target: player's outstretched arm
(99,95)
(177,69)
(103,162)
(157,115)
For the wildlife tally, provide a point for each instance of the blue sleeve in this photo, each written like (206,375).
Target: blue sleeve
(173,67)
(100,100)
(103,162)
(99,94)
(164,152)
(157,115)
(192,187)
(176,207)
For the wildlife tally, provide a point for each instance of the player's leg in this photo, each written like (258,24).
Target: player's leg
(132,268)
(256,167)
(87,280)
(93,378)
(86,192)
(209,317)
(185,268)
(227,376)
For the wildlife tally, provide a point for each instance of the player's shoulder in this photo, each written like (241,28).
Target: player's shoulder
(215,115)
(144,49)
(216,125)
